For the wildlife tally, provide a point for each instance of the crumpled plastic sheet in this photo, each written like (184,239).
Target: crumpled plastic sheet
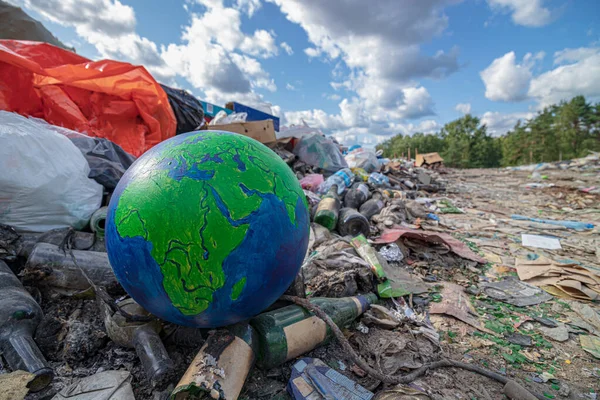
(110,99)
(321,152)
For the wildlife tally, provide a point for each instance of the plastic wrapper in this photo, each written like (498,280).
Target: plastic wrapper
(109,99)
(311,182)
(44,178)
(321,152)
(187,109)
(363,158)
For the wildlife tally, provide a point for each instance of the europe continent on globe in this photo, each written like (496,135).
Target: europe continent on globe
(207,229)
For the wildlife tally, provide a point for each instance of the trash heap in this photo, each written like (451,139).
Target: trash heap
(419,282)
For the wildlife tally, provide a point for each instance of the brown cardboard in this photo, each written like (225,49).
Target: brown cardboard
(428,159)
(262,131)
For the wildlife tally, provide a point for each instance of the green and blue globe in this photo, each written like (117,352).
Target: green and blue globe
(207,229)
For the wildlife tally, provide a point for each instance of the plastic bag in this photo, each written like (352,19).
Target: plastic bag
(187,109)
(107,160)
(311,182)
(363,158)
(44,178)
(321,152)
(110,99)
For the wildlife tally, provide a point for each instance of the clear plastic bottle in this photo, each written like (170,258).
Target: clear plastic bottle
(343,179)
(379,179)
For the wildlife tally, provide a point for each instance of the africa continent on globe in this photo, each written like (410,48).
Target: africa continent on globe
(207,229)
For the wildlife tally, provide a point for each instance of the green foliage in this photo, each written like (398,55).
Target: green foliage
(558,132)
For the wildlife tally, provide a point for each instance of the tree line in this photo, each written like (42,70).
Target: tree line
(558,132)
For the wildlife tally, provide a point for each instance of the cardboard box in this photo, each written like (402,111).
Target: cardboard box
(428,159)
(252,113)
(262,131)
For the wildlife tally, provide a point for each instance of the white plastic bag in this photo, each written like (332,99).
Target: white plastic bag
(363,158)
(44,180)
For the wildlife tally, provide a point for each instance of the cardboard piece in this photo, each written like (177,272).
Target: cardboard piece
(455,303)
(262,131)
(428,159)
(572,280)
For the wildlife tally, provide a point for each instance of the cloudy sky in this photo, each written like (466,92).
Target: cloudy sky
(361,70)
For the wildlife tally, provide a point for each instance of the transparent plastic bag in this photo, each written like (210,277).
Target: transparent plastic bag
(363,158)
(320,151)
(44,177)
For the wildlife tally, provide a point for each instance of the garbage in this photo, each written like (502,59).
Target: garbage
(48,186)
(428,160)
(291,331)
(512,291)
(356,195)
(142,336)
(364,159)
(105,385)
(49,265)
(559,334)
(456,304)
(187,109)
(540,242)
(342,179)
(262,131)
(311,182)
(392,253)
(98,221)
(378,179)
(105,98)
(252,114)
(372,206)
(311,379)
(221,366)
(368,254)
(456,246)
(20,314)
(352,223)
(591,344)
(328,210)
(319,151)
(15,385)
(578,226)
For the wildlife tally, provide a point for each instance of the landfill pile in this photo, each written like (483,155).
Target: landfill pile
(419,281)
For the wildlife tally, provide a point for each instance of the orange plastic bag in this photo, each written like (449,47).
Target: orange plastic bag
(110,99)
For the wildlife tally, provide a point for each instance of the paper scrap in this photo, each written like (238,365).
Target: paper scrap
(540,242)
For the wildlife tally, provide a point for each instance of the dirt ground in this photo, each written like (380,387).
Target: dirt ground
(73,338)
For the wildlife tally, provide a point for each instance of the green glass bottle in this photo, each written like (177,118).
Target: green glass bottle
(291,331)
(328,209)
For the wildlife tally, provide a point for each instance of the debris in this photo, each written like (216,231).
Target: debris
(428,159)
(105,385)
(50,265)
(578,226)
(221,366)
(20,314)
(512,291)
(591,344)
(392,253)
(262,131)
(352,223)
(328,210)
(49,186)
(559,334)
(401,392)
(15,385)
(514,391)
(311,379)
(142,336)
(521,340)
(98,221)
(456,304)
(540,242)
(291,331)
(456,246)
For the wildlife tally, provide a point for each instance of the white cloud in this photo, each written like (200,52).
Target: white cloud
(248,6)
(578,73)
(289,86)
(287,48)
(499,123)
(333,97)
(380,48)
(505,80)
(463,108)
(530,13)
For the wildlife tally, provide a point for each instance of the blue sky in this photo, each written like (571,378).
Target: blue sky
(361,71)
